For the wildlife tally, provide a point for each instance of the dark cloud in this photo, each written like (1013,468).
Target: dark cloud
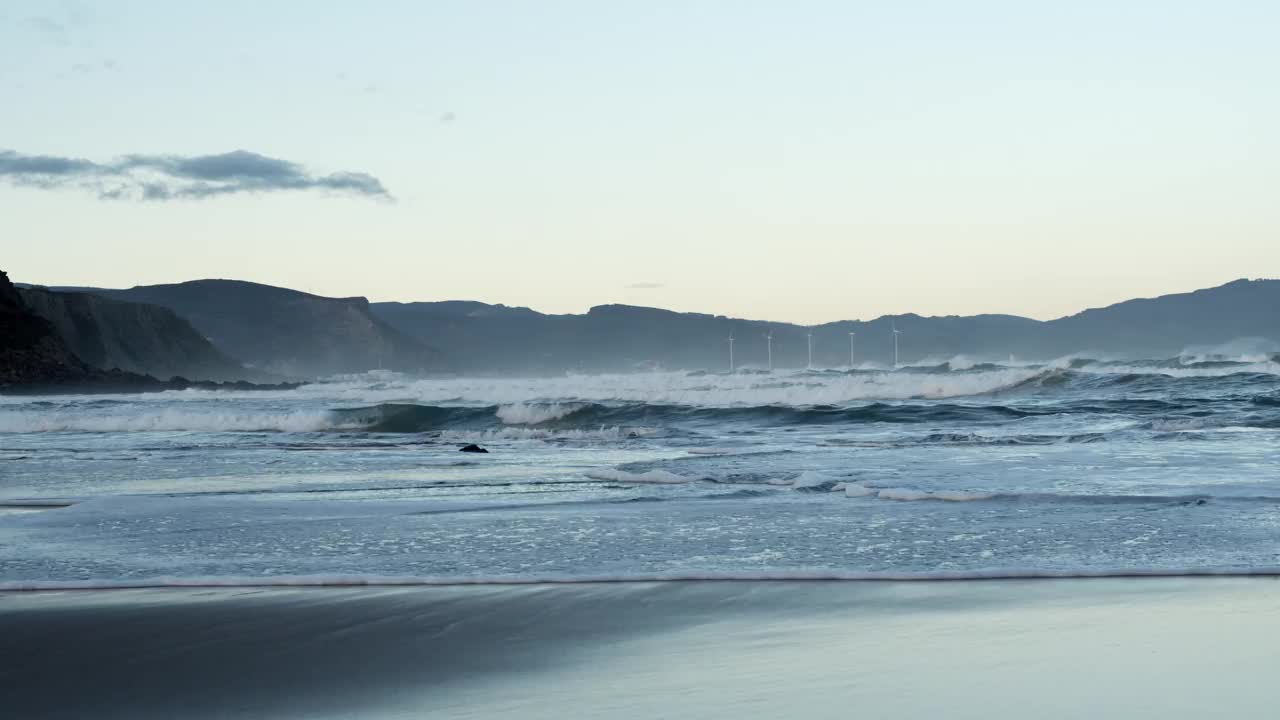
(170,177)
(645,286)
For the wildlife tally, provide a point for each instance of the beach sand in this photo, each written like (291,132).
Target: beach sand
(1100,648)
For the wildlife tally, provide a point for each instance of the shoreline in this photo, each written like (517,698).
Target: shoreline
(1111,647)
(817,577)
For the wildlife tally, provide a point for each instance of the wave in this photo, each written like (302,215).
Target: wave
(911,495)
(583,435)
(528,420)
(640,418)
(791,388)
(623,406)
(974,439)
(815,575)
(661,477)
(629,421)
(810,481)
(535,413)
(166,420)
(904,494)
(817,481)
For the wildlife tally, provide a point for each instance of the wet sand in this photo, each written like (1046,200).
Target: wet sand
(1123,648)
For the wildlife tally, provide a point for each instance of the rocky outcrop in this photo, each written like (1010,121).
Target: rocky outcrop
(135,337)
(34,359)
(30,349)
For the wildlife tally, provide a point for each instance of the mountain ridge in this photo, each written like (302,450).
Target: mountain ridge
(1162,326)
(481,337)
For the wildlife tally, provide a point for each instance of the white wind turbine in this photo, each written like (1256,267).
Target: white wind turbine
(731,367)
(851,349)
(896,333)
(810,366)
(769,343)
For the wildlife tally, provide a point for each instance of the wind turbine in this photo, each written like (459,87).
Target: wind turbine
(731,368)
(769,339)
(896,333)
(810,367)
(851,349)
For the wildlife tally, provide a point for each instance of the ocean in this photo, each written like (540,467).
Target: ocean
(1080,467)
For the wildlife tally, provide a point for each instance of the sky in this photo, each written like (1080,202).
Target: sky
(802,161)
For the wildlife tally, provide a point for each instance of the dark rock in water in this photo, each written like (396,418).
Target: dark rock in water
(473,448)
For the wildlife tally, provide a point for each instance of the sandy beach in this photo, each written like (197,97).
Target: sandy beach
(1123,648)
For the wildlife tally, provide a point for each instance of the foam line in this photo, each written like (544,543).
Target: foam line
(287,581)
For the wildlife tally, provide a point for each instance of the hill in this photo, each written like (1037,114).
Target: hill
(496,338)
(106,333)
(296,334)
(287,332)
(1165,325)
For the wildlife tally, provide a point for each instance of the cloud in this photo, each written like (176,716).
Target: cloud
(645,286)
(172,177)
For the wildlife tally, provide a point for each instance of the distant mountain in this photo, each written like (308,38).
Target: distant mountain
(107,333)
(499,339)
(295,334)
(622,337)
(287,332)
(1165,325)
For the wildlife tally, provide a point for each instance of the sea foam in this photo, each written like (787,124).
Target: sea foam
(818,575)
(661,477)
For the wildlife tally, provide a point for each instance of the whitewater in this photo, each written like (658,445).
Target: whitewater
(1079,467)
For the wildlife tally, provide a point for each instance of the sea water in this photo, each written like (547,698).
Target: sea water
(1077,467)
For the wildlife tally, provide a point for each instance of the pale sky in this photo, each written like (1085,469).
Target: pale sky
(801,161)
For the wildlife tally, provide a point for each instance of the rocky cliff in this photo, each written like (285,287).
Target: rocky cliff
(136,337)
(30,349)
(287,332)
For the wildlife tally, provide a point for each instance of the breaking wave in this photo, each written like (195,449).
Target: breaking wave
(165,420)
(661,477)
(622,406)
(637,419)
(535,413)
